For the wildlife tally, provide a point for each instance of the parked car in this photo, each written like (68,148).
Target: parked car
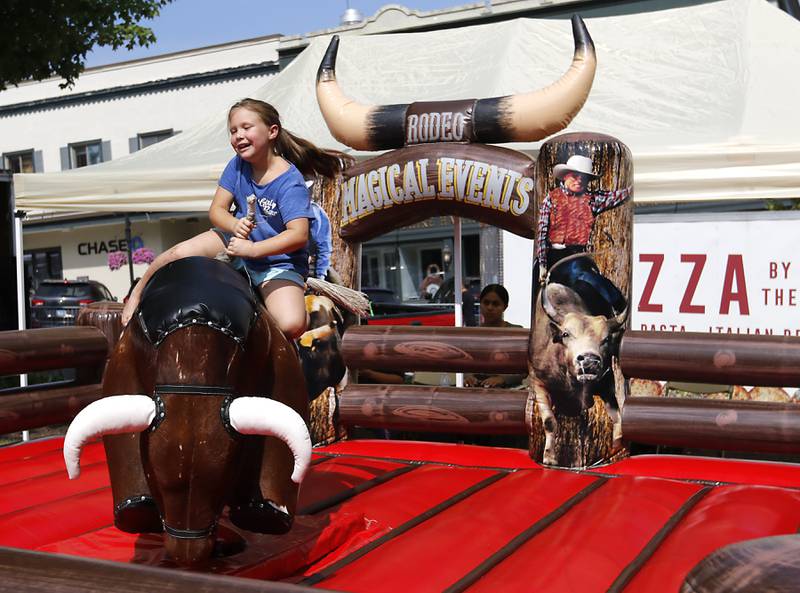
(389,309)
(446,294)
(381,296)
(57,302)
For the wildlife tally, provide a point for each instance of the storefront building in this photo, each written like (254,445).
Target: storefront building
(116,110)
(119,109)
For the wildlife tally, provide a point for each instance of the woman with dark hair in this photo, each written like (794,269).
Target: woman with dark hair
(493,303)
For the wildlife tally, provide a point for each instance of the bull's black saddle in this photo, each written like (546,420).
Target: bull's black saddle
(197,290)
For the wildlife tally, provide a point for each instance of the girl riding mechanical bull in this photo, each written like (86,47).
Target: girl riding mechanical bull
(269,164)
(204,404)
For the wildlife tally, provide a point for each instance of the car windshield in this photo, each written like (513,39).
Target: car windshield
(378,295)
(64,290)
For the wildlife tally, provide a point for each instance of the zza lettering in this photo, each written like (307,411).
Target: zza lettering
(734,284)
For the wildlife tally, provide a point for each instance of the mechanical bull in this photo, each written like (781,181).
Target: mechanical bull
(572,348)
(205,407)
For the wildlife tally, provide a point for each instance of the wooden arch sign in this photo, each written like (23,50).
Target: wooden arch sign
(485,183)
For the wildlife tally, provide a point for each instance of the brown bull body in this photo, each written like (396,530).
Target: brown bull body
(180,472)
(571,360)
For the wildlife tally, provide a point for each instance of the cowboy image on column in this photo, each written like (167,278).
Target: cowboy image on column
(566,216)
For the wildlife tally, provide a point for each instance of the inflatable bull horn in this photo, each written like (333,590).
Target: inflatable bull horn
(122,414)
(523,117)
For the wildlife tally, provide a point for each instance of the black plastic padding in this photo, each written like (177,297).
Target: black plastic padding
(197,290)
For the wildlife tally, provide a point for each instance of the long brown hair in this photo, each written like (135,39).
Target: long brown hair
(306,156)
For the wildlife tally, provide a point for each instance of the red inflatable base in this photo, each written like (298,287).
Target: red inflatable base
(388,516)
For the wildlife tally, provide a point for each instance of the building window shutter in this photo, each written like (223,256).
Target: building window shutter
(106,151)
(65,162)
(38,161)
(133,144)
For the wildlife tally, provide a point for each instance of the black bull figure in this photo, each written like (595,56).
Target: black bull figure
(205,407)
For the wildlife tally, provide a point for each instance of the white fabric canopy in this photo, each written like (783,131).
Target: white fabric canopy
(705,97)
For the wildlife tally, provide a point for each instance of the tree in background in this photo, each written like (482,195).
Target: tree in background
(44,38)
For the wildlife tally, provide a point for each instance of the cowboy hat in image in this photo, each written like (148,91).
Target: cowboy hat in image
(575,164)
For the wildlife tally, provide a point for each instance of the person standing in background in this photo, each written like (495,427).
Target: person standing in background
(431,283)
(494,302)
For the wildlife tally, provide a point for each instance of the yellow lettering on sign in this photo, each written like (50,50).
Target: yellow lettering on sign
(463,169)
(472,182)
(513,178)
(445,166)
(364,204)
(496,180)
(396,194)
(428,190)
(386,200)
(410,185)
(524,188)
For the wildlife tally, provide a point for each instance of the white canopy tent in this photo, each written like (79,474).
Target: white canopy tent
(705,97)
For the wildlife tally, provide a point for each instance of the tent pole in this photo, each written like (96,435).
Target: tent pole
(128,246)
(458,282)
(19,256)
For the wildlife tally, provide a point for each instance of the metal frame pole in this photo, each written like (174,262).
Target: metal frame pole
(19,255)
(128,246)
(458,283)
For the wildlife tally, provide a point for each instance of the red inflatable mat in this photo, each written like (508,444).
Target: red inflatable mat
(402,516)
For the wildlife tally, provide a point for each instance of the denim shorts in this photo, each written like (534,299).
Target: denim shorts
(259,277)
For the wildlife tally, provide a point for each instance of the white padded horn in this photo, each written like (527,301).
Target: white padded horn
(117,414)
(267,417)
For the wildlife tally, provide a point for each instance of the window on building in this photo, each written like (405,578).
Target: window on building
(19,162)
(86,153)
(42,264)
(150,138)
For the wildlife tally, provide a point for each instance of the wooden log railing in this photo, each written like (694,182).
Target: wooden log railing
(688,356)
(439,349)
(434,409)
(769,361)
(85,347)
(763,427)
(752,360)
(704,358)
(34,408)
(26,571)
(51,348)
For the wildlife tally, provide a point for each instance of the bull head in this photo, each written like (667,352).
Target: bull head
(514,118)
(122,414)
(588,339)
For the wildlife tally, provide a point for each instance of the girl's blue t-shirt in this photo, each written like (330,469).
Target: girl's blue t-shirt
(282,200)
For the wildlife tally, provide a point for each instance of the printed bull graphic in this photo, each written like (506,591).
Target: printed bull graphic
(205,407)
(321,346)
(572,349)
